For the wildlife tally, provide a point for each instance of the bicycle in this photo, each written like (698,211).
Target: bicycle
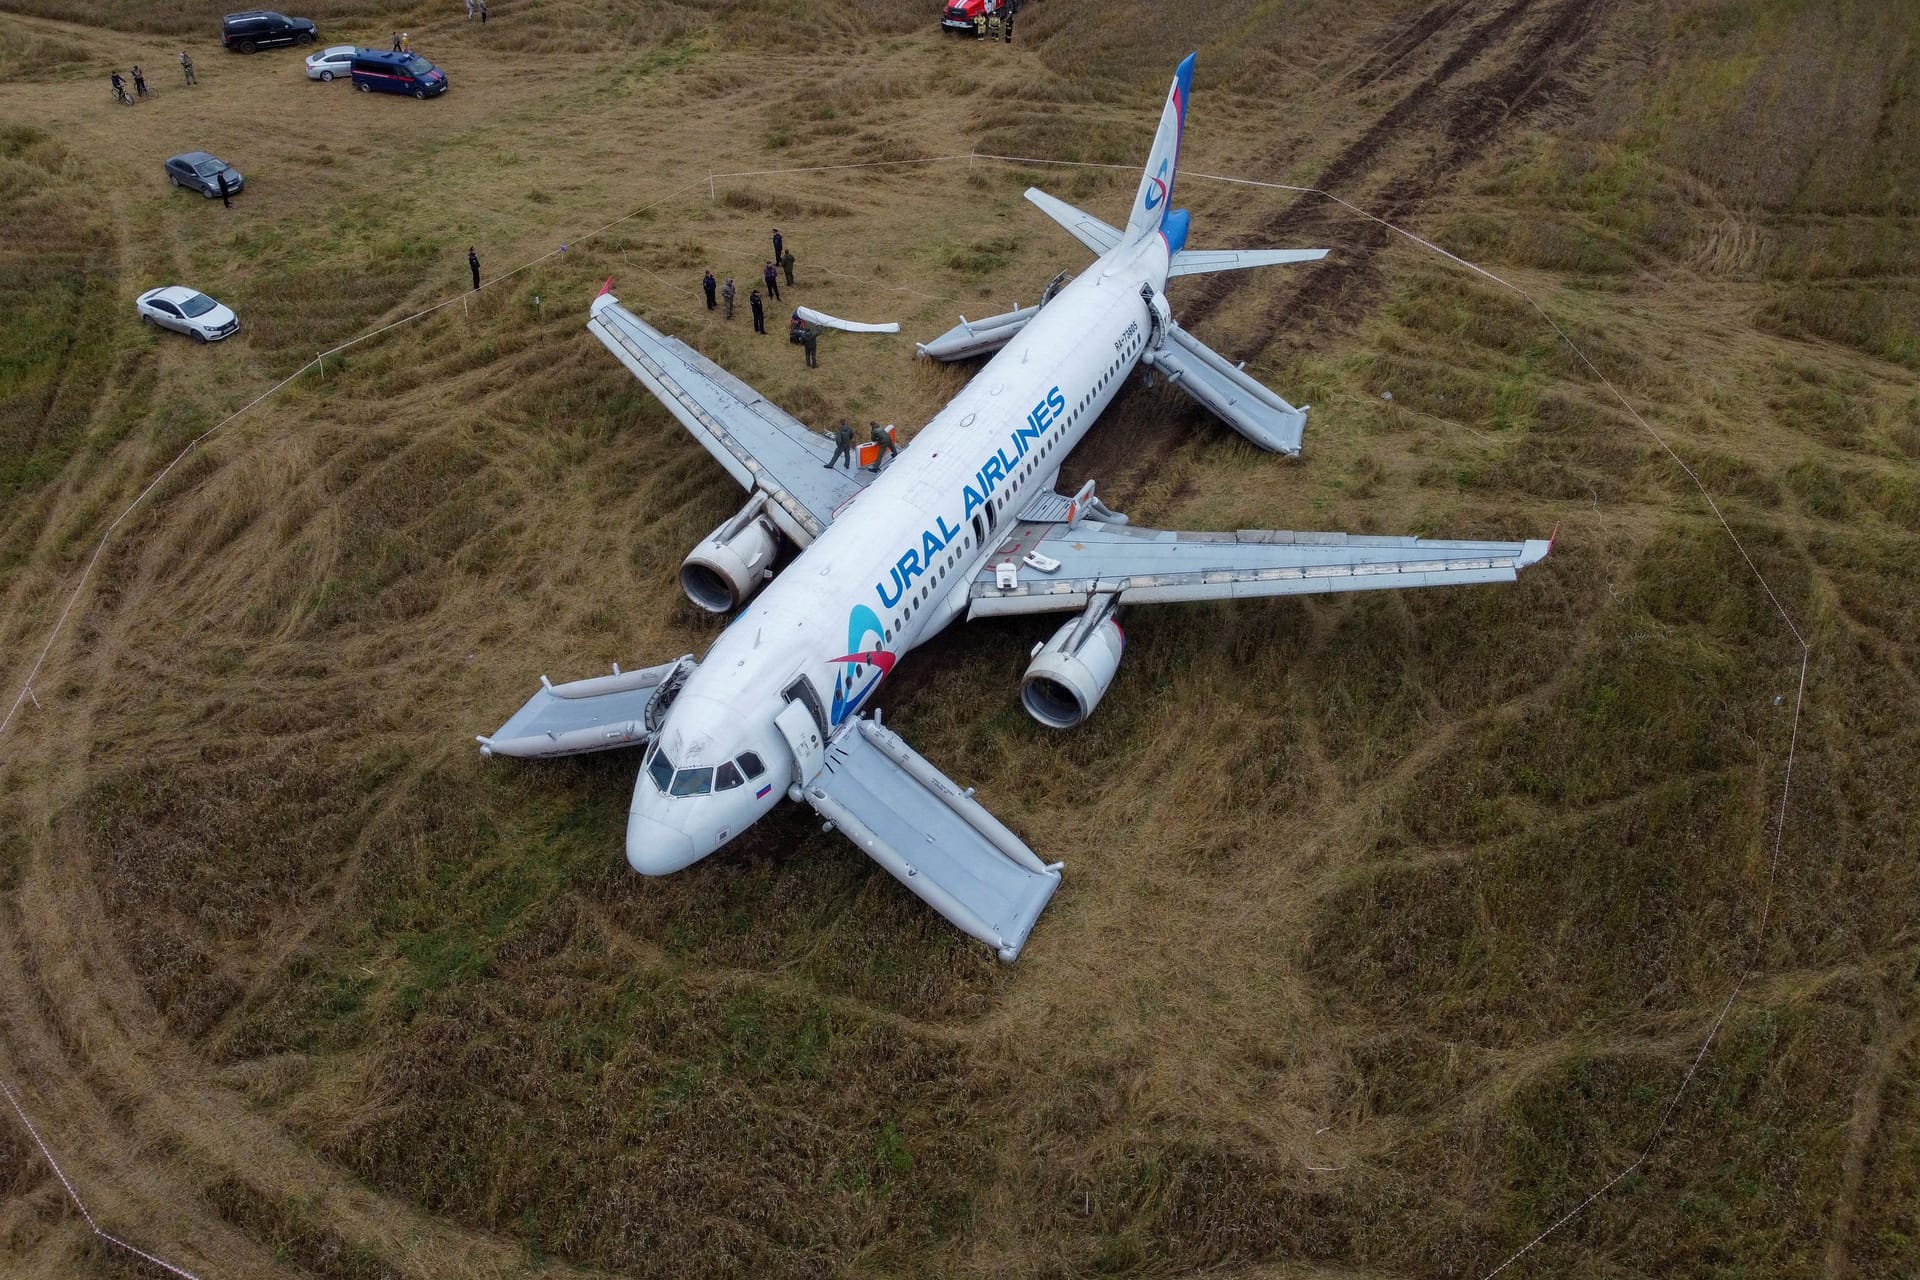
(121,96)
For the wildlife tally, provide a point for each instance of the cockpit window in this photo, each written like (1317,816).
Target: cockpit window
(660,769)
(751,766)
(727,777)
(692,782)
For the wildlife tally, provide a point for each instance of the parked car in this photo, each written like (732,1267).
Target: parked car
(262,29)
(198,171)
(397,73)
(187,311)
(331,64)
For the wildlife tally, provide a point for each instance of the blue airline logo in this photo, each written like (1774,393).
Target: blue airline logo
(916,560)
(1158,191)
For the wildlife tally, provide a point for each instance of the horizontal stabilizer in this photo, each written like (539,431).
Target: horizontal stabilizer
(932,836)
(1198,262)
(1084,227)
(1227,392)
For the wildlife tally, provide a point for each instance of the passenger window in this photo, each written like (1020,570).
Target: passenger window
(692,782)
(727,777)
(660,769)
(750,764)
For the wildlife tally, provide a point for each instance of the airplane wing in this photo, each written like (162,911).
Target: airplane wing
(761,445)
(1144,566)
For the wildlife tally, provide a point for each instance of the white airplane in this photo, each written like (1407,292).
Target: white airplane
(965,522)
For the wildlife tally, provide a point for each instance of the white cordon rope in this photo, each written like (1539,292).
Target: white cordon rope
(73,1194)
(1799,699)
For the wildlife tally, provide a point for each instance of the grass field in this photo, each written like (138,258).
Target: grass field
(1390,926)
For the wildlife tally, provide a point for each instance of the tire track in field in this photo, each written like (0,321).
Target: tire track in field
(1506,69)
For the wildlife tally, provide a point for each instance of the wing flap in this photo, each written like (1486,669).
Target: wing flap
(760,444)
(1147,566)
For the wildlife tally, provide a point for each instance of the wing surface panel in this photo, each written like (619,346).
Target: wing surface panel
(760,444)
(1145,566)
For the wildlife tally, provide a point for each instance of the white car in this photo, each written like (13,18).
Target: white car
(331,64)
(187,311)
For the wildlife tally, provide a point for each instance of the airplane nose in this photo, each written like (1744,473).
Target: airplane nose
(655,848)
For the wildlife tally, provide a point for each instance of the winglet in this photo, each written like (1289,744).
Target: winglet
(605,288)
(1533,550)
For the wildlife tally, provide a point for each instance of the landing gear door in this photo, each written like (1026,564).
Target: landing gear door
(797,726)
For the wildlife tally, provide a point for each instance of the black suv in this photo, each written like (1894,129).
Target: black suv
(260,29)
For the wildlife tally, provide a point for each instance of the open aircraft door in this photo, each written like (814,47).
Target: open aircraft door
(797,725)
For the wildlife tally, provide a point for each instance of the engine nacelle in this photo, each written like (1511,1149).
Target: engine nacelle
(1070,673)
(733,561)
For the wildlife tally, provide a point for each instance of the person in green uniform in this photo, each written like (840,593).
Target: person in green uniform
(842,445)
(885,441)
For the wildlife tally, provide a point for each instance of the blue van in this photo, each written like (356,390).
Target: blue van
(397,73)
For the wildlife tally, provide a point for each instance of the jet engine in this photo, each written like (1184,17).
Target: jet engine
(732,562)
(1070,673)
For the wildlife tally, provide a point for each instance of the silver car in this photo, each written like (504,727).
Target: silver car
(331,64)
(187,311)
(198,171)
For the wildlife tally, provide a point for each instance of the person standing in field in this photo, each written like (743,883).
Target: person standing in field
(809,336)
(120,88)
(759,312)
(226,192)
(1011,10)
(777,243)
(473,265)
(993,27)
(406,42)
(726,296)
(786,265)
(186,67)
(396,42)
(768,274)
(707,287)
(139,82)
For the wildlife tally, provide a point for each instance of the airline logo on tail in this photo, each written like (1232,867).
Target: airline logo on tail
(1158,185)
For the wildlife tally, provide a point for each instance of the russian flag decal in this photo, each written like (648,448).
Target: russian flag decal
(761,794)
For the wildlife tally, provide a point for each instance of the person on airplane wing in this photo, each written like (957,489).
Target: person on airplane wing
(883,438)
(842,445)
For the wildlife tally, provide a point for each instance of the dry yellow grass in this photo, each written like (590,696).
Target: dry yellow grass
(1390,924)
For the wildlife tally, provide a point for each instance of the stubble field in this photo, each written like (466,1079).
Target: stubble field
(1390,926)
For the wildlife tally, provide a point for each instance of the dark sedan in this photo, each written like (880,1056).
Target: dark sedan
(198,171)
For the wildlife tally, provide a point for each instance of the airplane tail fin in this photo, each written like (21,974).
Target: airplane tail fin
(1151,202)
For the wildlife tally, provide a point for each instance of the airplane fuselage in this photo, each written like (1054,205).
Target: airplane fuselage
(896,564)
